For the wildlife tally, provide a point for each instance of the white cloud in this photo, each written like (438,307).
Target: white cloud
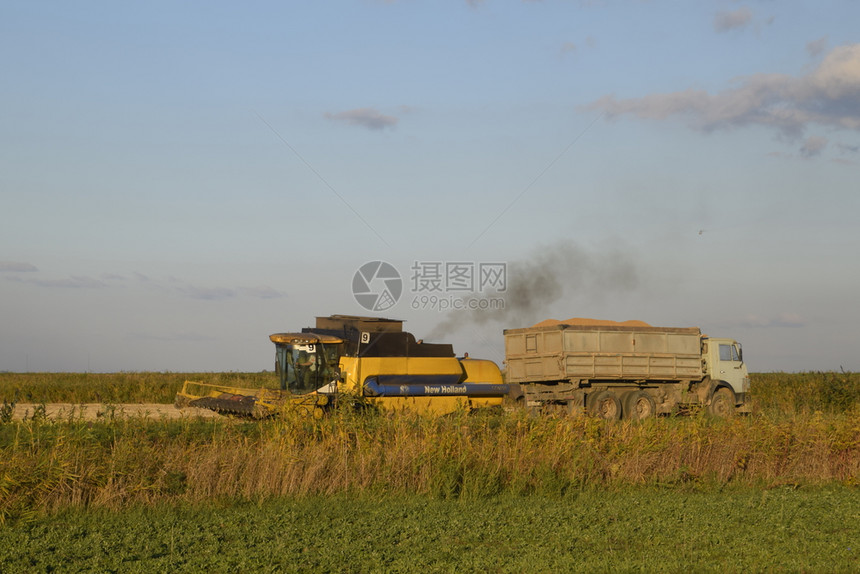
(177,285)
(572,48)
(828,96)
(817,47)
(114,280)
(261,292)
(16,267)
(725,21)
(813,146)
(364,117)
(220,293)
(207,293)
(72,282)
(113,277)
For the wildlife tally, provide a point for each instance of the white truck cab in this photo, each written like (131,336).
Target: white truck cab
(726,367)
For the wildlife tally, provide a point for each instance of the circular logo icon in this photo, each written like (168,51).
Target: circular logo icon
(377,286)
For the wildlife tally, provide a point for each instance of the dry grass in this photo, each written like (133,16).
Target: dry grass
(49,465)
(115,388)
(805,430)
(772,393)
(788,394)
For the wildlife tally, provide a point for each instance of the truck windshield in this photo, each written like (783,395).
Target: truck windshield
(729,353)
(305,368)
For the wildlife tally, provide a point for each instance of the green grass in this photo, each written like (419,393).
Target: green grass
(635,530)
(505,492)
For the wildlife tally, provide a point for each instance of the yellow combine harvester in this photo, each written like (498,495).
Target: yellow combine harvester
(369,359)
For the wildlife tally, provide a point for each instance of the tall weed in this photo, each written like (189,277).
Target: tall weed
(49,465)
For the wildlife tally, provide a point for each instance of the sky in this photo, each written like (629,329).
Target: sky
(179,180)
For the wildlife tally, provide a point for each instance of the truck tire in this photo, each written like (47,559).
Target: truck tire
(604,405)
(722,403)
(639,405)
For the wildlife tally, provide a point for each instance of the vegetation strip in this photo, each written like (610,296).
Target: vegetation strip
(364,491)
(115,388)
(50,465)
(653,530)
(771,393)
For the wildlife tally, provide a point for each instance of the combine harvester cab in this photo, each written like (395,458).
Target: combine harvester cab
(363,359)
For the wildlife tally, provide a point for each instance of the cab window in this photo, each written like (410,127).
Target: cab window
(729,353)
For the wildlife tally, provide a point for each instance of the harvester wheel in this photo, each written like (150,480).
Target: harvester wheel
(604,405)
(639,405)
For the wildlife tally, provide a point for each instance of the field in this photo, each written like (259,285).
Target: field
(634,530)
(777,490)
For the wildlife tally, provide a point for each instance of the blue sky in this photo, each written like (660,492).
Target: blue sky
(178,180)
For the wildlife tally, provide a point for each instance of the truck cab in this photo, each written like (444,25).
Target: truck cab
(727,370)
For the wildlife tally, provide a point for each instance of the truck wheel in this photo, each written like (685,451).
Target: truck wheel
(722,403)
(639,405)
(604,405)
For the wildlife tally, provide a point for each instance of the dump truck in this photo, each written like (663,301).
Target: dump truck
(614,370)
(363,360)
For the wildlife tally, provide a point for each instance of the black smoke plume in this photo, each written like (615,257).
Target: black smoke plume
(549,274)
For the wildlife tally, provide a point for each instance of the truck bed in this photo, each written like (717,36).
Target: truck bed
(595,352)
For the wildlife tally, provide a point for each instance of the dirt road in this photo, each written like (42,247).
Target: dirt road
(96,411)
